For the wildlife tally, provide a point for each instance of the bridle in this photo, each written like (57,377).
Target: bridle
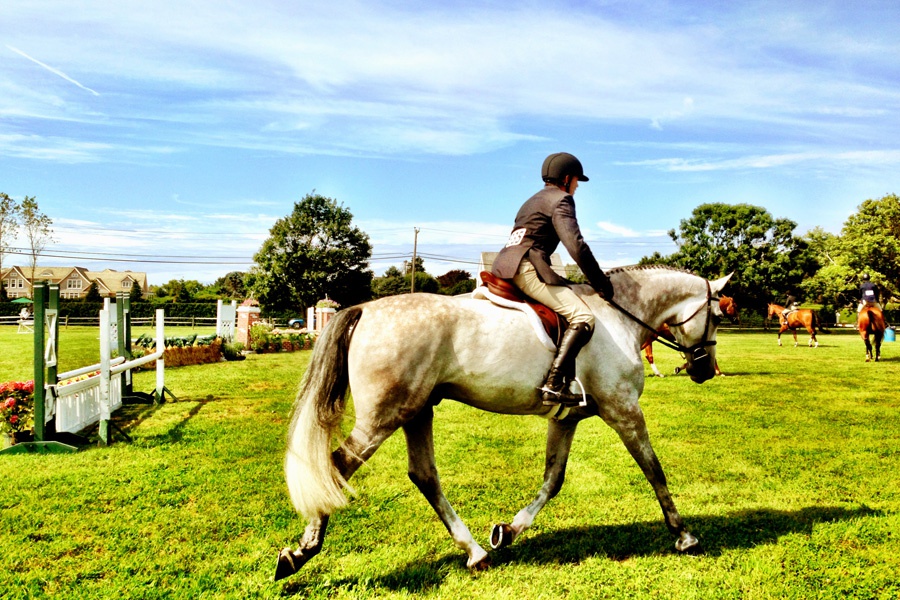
(698,350)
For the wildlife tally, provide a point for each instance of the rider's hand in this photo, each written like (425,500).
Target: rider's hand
(606,289)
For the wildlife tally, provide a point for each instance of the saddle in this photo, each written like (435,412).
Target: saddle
(554,323)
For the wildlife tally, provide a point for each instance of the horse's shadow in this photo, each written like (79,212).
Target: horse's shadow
(717,534)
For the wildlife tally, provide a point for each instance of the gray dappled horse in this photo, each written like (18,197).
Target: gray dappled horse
(402,355)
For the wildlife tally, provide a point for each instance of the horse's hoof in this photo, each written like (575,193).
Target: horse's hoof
(285,566)
(502,535)
(688,544)
(482,564)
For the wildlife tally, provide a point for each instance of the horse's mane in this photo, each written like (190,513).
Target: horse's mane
(627,268)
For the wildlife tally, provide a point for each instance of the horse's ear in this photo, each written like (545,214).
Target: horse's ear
(717,285)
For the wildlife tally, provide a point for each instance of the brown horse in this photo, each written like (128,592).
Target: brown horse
(870,322)
(729,309)
(801,317)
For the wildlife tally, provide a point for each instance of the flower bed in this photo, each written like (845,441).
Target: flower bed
(264,338)
(16,406)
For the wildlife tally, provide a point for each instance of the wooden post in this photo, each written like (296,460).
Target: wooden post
(412,288)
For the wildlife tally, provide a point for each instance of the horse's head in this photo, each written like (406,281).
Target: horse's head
(774,311)
(696,333)
(729,309)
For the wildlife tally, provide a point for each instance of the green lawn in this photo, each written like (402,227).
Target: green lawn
(786,469)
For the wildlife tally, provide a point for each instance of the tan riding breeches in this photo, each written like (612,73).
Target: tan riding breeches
(558,298)
(864,304)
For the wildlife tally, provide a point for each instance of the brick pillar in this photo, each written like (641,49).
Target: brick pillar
(323,315)
(247,315)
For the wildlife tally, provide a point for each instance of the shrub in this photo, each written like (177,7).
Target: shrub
(16,406)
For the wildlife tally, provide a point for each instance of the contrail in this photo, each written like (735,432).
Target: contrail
(52,70)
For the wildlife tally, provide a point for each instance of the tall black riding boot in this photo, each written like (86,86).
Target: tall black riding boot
(562,370)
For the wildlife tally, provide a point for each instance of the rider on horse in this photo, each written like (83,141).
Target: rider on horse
(869,294)
(545,220)
(790,305)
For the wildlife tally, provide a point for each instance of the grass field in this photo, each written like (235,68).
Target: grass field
(786,470)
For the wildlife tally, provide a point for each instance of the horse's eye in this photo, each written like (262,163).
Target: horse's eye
(717,320)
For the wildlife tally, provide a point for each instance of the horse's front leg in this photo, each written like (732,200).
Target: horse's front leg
(423,472)
(632,429)
(559,443)
(648,352)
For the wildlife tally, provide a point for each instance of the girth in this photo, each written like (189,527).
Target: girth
(554,323)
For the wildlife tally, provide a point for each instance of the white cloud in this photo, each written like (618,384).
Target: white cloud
(617,229)
(817,159)
(379,78)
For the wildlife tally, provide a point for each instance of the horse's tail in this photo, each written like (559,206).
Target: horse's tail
(817,323)
(315,485)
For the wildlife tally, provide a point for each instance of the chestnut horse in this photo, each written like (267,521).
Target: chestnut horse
(729,309)
(870,322)
(801,317)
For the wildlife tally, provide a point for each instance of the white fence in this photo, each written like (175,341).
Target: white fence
(77,404)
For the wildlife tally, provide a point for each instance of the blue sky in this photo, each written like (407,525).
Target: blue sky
(168,136)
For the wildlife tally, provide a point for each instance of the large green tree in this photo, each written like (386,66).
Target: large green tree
(870,240)
(869,243)
(312,252)
(766,257)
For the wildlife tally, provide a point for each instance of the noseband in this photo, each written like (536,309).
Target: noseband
(698,350)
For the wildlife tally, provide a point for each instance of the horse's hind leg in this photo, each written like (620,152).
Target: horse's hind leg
(632,430)
(423,473)
(355,451)
(559,443)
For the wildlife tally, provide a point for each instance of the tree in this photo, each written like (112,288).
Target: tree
(9,223)
(420,265)
(765,256)
(312,252)
(93,293)
(232,284)
(37,228)
(870,241)
(454,282)
(136,294)
(834,281)
(395,282)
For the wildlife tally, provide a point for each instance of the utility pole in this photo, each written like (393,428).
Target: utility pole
(412,287)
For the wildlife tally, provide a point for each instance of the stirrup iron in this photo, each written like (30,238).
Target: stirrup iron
(562,397)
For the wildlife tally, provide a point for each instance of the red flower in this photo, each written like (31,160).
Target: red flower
(14,419)
(10,403)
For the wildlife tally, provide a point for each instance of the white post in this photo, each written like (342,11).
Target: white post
(311,319)
(104,364)
(160,362)
(219,318)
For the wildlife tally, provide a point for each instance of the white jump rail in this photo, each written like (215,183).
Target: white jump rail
(79,404)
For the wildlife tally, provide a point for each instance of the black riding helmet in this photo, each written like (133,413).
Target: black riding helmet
(557,166)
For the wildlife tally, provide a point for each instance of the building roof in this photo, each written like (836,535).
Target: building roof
(107,279)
